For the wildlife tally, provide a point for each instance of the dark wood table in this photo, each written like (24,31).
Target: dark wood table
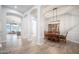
(52,36)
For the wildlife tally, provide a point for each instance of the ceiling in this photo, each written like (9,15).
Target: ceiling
(47,10)
(61,9)
(13,19)
(19,8)
(14,13)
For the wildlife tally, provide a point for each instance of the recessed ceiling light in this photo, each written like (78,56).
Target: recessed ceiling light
(15,6)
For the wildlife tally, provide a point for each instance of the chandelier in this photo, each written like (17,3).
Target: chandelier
(55,14)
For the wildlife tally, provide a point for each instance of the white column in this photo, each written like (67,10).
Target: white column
(29,27)
(2,24)
(40,28)
(26,27)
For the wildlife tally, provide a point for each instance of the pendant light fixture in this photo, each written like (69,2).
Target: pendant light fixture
(54,14)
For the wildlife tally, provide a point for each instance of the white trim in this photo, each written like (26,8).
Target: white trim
(7,10)
(74,41)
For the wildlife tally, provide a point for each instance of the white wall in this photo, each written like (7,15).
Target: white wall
(74,33)
(2,24)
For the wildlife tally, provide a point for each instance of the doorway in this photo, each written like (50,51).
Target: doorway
(33,15)
(13,30)
(34,28)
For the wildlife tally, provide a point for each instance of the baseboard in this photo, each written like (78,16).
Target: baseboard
(74,41)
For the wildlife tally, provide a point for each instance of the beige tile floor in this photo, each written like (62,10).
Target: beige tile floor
(17,46)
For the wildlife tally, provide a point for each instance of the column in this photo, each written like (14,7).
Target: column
(2,25)
(40,26)
(29,27)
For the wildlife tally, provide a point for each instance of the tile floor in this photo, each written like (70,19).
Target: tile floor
(16,45)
